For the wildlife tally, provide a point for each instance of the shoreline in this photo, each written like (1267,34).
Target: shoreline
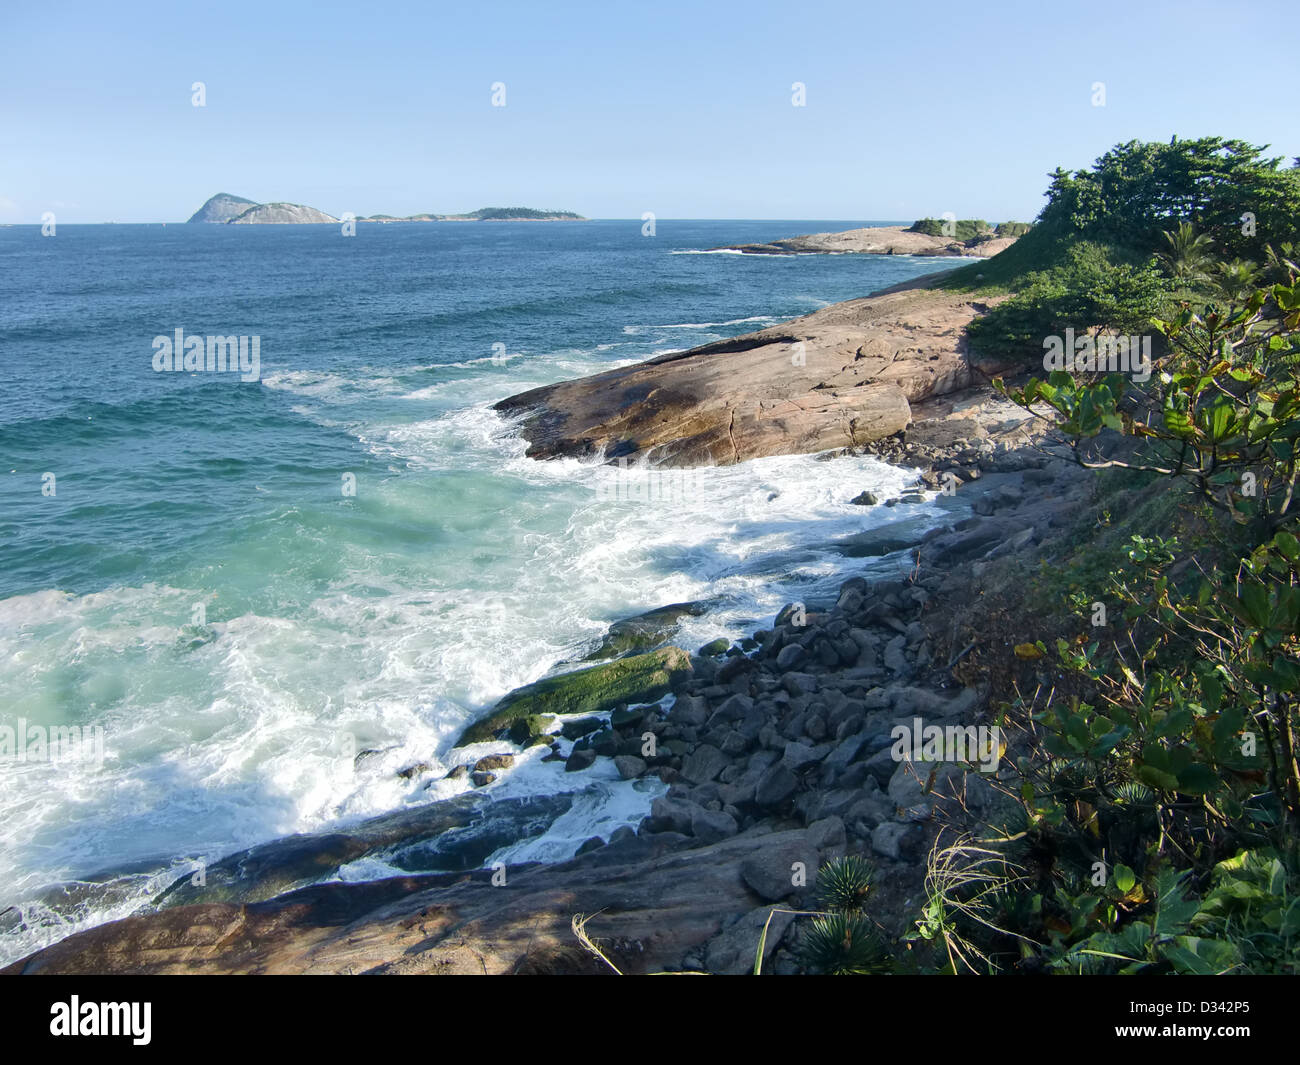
(772,752)
(766,751)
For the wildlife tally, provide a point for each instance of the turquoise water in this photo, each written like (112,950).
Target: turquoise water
(199,585)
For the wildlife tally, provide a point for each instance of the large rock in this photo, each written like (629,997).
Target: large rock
(638,679)
(844,375)
(704,764)
(786,864)
(651,913)
(732,953)
(642,632)
(876,240)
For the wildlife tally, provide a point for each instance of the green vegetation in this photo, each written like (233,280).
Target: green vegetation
(842,940)
(636,679)
(1151,823)
(491,214)
(1147,226)
(1155,824)
(962,229)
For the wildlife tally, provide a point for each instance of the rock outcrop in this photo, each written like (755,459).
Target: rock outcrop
(843,376)
(876,240)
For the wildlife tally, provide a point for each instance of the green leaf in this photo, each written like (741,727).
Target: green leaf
(1197,779)
(1156,778)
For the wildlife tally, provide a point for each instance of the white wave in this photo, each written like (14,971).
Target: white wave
(714,325)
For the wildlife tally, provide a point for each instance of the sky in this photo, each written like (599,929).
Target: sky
(612,109)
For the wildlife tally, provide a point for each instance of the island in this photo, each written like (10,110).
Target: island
(235,210)
(225,209)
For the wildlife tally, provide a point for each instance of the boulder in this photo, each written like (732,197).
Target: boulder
(779,870)
(637,679)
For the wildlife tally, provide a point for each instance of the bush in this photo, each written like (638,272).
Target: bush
(963,229)
(1090,289)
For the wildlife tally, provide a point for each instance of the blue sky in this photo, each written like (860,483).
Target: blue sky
(612,109)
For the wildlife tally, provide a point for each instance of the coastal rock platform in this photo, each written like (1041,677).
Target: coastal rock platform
(844,376)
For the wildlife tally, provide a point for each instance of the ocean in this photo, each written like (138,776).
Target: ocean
(237,585)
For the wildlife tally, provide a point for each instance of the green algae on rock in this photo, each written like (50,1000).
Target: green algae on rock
(637,679)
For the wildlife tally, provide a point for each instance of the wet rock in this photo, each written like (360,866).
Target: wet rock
(414,770)
(581,758)
(490,762)
(638,679)
(629,767)
(579,727)
(594,843)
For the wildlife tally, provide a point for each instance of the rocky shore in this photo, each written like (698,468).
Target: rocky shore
(875,240)
(765,758)
(844,376)
(772,754)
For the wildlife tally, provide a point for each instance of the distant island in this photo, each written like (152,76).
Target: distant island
(485,214)
(235,210)
(225,209)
